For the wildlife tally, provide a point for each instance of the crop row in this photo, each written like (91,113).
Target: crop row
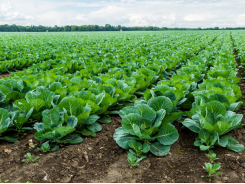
(238,38)
(68,104)
(146,126)
(108,62)
(82,52)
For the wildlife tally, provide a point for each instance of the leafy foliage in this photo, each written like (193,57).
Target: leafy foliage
(212,127)
(30,158)
(212,156)
(144,129)
(211,169)
(46,147)
(54,81)
(72,83)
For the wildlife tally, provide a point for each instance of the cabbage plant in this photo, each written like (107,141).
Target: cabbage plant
(204,97)
(6,120)
(212,121)
(144,128)
(56,129)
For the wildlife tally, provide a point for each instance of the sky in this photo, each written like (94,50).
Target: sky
(160,13)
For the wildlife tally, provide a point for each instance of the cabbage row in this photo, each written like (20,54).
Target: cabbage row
(212,114)
(239,44)
(73,52)
(70,104)
(205,90)
(94,60)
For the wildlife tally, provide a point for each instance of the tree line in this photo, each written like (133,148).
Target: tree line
(107,27)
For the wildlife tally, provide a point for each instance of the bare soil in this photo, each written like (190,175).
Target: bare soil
(4,75)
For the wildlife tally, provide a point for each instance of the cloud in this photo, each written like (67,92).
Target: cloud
(241,20)
(197,17)
(5,7)
(162,13)
(8,15)
(93,4)
(81,17)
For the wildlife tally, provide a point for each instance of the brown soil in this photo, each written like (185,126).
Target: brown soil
(107,162)
(4,75)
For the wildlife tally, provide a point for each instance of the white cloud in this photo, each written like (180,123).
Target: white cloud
(195,17)
(6,7)
(81,17)
(136,20)
(162,13)
(9,15)
(241,20)
(93,4)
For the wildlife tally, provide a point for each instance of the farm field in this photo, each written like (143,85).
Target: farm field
(86,99)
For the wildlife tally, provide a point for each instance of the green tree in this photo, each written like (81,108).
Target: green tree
(108,27)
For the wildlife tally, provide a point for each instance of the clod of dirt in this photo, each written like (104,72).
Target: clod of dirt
(75,164)
(217,181)
(85,154)
(169,179)
(45,177)
(81,167)
(66,180)
(225,178)
(232,177)
(9,151)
